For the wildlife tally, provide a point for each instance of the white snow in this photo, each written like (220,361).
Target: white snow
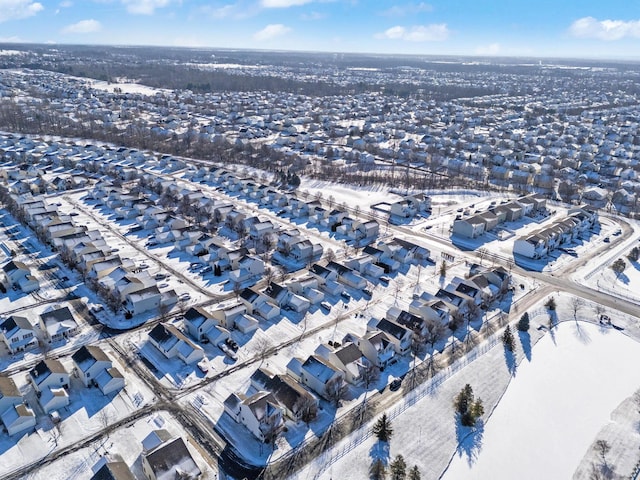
(542,427)
(555,406)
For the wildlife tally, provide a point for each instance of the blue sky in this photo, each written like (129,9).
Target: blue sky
(557,28)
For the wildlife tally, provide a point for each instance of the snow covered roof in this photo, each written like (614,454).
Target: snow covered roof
(86,356)
(171,460)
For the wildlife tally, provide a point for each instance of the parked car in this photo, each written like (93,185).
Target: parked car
(367,293)
(227,351)
(326,306)
(395,384)
(345,295)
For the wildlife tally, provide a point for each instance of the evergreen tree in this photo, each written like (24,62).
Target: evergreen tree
(507,339)
(464,399)
(618,266)
(551,304)
(443,269)
(398,468)
(523,324)
(382,429)
(414,473)
(477,409)
(377,470)
(468,407)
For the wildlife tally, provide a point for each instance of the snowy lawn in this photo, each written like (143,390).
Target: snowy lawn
(567,388)
(555,406)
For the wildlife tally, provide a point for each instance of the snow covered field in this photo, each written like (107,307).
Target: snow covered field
(541,428)
(555,406)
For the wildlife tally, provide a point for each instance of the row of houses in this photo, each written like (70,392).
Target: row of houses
(57,322)
(479,223)
(542,242)
(327,372)
(360,232)
(88,251)
(51,381)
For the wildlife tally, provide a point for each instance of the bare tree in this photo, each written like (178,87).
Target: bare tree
(603,447)
(482,253)
(237,289)
(576,306)
(105,419)
(263,347)
(335,389)
(306,409)
(43,341)
(330,255)
(370,374)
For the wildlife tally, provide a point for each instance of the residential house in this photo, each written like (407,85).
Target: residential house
(377,347)
(16,275)
(165,457)
(88,362)
(172,343)
(431,309)
(308,288)
(260,414)
(260,304)
(9,393)
(248,267)
(48,373)
(316,373)
(347,276)
(415,323)
(58,322)
(399,335)
(18,334)
(457,302)
(470,227)
(461,286)
(348,358)
(50,381)
(327,279)
(18,418)
(291,396)
(143,300)
(382,259)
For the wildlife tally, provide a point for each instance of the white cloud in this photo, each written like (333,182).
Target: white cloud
(238,10)
(144,7)
(271,31)
(491,49)
(283,3)
(83,26)
(66,4)
(407,9)
(435,32)
(12,39)
(17,9)
(589,27)
(313,16)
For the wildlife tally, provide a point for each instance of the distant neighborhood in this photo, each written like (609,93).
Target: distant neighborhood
(199,285)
